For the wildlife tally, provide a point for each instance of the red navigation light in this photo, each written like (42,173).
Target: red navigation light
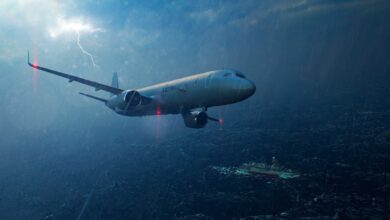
(35,65)
(35,60)
(220,121)
(158,111)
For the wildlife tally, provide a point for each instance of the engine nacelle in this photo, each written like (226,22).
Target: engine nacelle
(196,119)
(132,99)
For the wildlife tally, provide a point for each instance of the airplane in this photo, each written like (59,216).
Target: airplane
(190,96)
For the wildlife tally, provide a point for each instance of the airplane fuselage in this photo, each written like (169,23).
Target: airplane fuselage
(214,88)
(181,96)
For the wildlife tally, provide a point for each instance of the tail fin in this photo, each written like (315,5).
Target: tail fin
(115,82)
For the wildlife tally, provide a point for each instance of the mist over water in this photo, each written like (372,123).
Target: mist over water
(322,72)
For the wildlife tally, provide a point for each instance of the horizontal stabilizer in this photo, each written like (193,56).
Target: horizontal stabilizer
(93,97)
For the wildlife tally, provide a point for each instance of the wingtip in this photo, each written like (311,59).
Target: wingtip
(33,65)
(28,58)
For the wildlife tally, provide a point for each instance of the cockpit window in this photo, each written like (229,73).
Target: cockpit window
(240,75)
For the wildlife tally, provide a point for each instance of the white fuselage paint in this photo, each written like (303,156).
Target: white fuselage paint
(214,88)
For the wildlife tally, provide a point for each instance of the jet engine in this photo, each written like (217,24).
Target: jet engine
(132,98)
(197,119)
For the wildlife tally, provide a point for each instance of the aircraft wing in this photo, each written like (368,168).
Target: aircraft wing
(71,78)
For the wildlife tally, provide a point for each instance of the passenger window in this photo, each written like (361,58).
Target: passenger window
(208,81)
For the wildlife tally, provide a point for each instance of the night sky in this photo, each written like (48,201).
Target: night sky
(297,52)
(282,46)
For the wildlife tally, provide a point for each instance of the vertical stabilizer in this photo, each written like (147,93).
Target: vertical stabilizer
(115,82)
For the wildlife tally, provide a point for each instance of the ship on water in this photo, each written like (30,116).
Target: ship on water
(273,170)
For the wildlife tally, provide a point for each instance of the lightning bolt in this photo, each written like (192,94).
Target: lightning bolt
(83,50)
(76,26)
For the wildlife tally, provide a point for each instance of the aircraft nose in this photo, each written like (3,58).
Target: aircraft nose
(248,88)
